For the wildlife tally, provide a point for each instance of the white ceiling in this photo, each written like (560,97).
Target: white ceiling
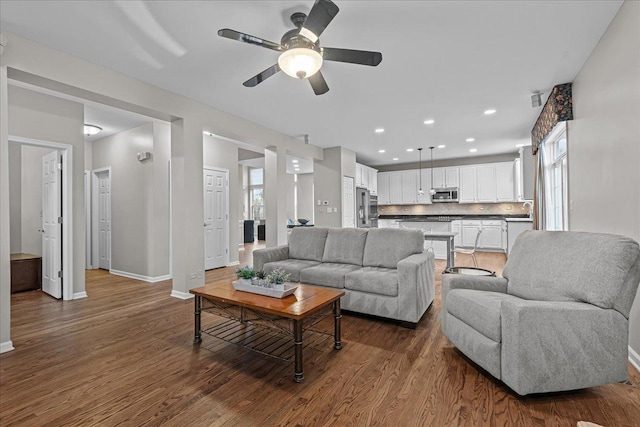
(446,60)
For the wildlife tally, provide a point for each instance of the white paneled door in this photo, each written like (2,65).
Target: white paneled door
(51,225)
(216,218)
(104,220)
(348,203)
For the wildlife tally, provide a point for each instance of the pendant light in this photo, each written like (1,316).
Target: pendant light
(420,191)
(432,191)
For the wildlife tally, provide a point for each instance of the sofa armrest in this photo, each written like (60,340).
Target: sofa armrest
(464,281)
(554,346)
(416,286)
(263,256)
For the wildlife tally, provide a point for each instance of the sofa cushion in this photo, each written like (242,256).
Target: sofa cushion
(307,243)
(478,309)
(375,280)
(327,274)
(291,266)
(574,266)
(345,245)
(386,246)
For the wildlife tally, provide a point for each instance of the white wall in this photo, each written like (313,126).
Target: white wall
(305,196)
(604,139)
(327,181)
(139,198)
(289,188)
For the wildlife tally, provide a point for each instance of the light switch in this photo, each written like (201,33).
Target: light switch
(319,202)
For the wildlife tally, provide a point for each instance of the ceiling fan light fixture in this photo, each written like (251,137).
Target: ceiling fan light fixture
(91,130)
(300,62)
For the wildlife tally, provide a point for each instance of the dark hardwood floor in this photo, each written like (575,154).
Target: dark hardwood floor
(124,356)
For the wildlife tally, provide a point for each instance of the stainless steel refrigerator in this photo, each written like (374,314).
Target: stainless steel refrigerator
(366,209)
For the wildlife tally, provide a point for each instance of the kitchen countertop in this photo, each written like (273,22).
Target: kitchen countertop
(448,218)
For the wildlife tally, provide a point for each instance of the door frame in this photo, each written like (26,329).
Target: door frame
(94,218)
(66,151)
(88,225)
(226,202)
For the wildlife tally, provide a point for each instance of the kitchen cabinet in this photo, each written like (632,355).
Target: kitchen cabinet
(467,191)
(388,223)
(505,182)
(373,181)
(426,186)
(395,188)
(486,183)
(446,177)
(383,188)
(409,179)
(470,229)
(492,237)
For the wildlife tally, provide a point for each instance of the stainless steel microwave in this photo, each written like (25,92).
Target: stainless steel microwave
(445,195)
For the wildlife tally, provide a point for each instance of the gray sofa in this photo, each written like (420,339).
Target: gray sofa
(557,320)
(383,272)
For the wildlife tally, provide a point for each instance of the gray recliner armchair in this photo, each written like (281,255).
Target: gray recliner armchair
(558,319)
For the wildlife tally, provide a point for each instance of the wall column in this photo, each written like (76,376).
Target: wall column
(275,198)
(187,207)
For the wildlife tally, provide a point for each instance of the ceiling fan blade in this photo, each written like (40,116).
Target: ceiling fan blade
(361,57)
(318,83)
(321,14)
(246,38)
(259,78)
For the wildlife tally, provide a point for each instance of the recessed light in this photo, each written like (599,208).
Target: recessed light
(395,159)
(429,122)
(409,150)
(441,146)
(379,130)
(473,150)
(519,145)
(294,161)
(381,151)
(470,139)
(490,111)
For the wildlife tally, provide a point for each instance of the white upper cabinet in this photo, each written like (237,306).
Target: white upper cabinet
(505,185)
(373,181)
(395,188)
(383,188)
(409,181)
(446,177)
(467,192)
(366,177)
(426,186)
(486,183)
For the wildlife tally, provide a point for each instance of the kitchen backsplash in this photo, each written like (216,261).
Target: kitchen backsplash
(455,209)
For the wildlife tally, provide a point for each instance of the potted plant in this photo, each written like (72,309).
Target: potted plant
(245,274)
(260,279)
(277,278)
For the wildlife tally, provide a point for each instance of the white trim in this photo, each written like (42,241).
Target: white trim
(181,295)
(135,276)
(79,295)
(87,213)
(6,346)
(67,207)
(231,264)
(95,241)
(634,358)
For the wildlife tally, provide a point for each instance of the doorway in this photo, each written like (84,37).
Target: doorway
(348,202)
(216,217)
(101,219)
(57,231)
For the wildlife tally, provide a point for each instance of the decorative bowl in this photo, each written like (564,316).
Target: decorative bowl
(303,221)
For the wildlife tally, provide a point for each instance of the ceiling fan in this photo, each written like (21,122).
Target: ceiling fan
(302,56)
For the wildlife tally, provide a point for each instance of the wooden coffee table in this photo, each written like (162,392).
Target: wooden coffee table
(307,303)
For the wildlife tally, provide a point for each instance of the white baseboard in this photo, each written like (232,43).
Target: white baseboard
(79,295)
(181,295)
(6,346)
(231,264)
(634,358)
(140,276)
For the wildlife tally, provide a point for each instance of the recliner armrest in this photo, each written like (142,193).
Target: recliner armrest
(464,281)
(554,346)
(263,256)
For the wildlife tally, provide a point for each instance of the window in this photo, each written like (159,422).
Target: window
(555,154)
(256,194)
